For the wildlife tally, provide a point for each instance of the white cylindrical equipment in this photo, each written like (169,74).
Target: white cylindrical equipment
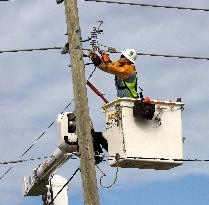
(57,183)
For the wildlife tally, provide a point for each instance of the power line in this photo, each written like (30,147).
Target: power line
(22,160)
(111,158)
(32,159)
(35,141)
(151,5)
(173,56)
(114,157)
(43,133)
(113,50)
(160,159)
(64,185)
(84,64)
(39,137)
(30,49)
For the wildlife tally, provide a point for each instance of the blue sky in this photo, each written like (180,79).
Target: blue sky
(191,189)
(36,86)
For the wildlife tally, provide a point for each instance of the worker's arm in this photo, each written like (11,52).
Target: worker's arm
(106,65)
(116,69)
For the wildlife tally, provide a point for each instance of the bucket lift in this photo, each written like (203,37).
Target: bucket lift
(143,141)
(140,134)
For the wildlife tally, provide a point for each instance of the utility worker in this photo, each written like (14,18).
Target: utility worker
(123,69)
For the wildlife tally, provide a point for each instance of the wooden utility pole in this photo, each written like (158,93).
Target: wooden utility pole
(83,129)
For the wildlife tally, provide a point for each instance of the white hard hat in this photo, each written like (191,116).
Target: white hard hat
(130,54)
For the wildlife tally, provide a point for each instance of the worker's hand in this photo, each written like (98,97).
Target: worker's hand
(92,54)
(95,58)
(101,52)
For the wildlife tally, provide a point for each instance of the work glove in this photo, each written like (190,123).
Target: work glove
(95,58)
(105,57)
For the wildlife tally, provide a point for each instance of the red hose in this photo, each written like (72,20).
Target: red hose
(97,92)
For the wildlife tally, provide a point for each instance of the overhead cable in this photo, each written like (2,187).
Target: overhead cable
(22,160)
(111,158)
(173,56)
(30,49)
(84,64)
(113,50)
(160,159)
(39,137)
(151,5)
(31,159)
(36,140)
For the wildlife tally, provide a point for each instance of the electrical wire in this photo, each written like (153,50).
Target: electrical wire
(111,158)
(26,160)
(104,174)
(161,159)
(45,131)
(22,160)
(84,64)
(35,141)
(151,5)
(114,50)
(38,49)
(92,73)
(30,49)
(117,158)
(64,185)
(173,56)
(39,137)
